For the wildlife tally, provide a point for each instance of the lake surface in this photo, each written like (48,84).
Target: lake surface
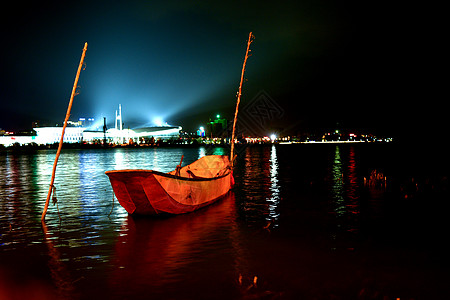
(362,221)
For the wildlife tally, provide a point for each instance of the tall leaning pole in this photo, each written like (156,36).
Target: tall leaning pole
(75,84)
(250,40)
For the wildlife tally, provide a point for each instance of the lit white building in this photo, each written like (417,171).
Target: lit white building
(51,135)
(79,134)
(9,140)
(45,136)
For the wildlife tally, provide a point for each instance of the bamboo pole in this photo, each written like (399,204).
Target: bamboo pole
(63,130)
(250,40)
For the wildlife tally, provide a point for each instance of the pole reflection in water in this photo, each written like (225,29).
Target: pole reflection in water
(59,273)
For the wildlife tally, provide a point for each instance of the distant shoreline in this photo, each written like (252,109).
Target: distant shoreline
(336,142)
(81,146)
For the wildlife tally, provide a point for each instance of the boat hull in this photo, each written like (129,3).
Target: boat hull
(148,192)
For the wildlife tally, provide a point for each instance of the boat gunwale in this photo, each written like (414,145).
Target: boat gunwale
(166,174)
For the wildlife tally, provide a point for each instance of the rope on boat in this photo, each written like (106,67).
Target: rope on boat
(112,208)
(55,200)
(178,168)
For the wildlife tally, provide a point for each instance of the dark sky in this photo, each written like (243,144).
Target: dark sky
(363,65)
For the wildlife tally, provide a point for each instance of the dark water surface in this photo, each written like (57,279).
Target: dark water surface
(303,222)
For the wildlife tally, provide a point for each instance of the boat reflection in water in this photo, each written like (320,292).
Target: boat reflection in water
(155,255)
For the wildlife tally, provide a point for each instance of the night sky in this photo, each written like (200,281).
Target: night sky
(372,66)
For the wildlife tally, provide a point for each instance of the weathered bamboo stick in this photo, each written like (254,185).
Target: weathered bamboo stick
(62,133)
(250,40)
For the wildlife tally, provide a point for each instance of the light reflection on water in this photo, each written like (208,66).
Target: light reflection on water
(345,185)
(225,249)
(337,188)
(274,187)
(260,188)
(260,185)
(345,195)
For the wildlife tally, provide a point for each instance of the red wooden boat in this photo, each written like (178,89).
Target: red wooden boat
(149,192)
